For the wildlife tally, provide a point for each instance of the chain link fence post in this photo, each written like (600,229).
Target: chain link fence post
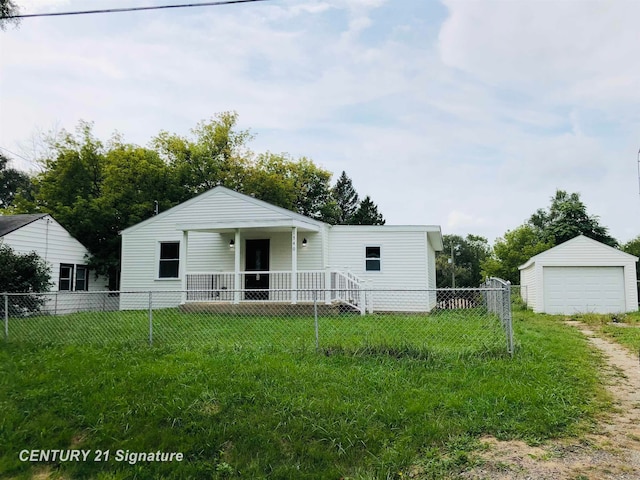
(507,317)
(150,319)
(315,319)
(6,317)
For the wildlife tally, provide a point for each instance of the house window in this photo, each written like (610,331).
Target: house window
(372,259)
(82,278)
(169,260)
(65,281)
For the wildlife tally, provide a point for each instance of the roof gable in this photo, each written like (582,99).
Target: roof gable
(11,223)
(219,195)
(579,242)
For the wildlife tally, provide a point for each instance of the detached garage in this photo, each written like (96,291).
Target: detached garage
(580,276)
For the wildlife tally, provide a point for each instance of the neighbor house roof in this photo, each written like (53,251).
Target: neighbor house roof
(10,223)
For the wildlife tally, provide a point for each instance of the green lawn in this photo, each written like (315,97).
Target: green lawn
(448,332)
(240,412)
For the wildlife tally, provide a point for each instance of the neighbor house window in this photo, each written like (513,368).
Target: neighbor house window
(169,260)
(82,278)
(65,281)
(372,259)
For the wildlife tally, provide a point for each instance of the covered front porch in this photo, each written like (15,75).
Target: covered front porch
(275,261)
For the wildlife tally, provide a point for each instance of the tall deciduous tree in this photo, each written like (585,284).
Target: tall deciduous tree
(367,214)
(12,182)
(513,250)
(567,218)
(217,155)
(469,253)
(633,247)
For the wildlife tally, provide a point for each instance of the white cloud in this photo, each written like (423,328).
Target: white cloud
(473,128)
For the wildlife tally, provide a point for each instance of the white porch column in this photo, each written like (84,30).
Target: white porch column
(184,248)
(294,265)
(236,283)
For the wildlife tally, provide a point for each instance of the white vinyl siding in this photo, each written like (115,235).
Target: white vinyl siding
(405,262)
(528,285)
(53,244)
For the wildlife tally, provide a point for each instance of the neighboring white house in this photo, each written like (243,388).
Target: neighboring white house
(66,256)
(223,246)
(580,276)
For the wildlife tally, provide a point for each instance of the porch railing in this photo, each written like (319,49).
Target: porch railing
(328,286)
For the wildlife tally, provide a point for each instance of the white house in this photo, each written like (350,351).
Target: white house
(580,276)
(223,246)
(66,256)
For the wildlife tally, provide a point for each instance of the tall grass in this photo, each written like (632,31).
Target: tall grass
(623,328)
(267,413)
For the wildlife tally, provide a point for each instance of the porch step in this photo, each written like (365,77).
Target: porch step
(269,308)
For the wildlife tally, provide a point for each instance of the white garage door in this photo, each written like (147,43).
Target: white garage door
(570,290)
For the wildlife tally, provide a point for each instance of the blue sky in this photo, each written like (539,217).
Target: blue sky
(465,114)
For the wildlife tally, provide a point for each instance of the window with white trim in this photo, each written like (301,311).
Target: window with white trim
(372,259)
(169,262)
(65,279)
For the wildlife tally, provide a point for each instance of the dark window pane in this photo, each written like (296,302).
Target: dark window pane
(82,278)
(373,265)
(373,252)
(169,269)
(169,250)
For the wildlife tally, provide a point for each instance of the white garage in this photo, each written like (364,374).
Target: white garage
(580,276)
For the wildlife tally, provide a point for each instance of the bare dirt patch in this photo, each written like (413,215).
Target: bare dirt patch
(613,452)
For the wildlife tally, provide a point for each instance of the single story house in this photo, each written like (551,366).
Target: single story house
(226,247)
(66,256)
(581,275)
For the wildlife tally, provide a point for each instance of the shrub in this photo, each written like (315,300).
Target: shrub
(27,273)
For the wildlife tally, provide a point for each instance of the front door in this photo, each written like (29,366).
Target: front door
(256,260)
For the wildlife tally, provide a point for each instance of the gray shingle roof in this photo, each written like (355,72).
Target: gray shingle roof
(10,223)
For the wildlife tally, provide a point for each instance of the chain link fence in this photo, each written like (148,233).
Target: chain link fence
(465,321)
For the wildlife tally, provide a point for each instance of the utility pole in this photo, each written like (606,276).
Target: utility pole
(452,261)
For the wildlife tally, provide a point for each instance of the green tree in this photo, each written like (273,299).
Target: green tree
(8,10)
(12,182)
(346,199)
(217,155)
(26,273)
(567,218)
(367,214)
(469,253)
(633,247)
(513,250)
(95,191)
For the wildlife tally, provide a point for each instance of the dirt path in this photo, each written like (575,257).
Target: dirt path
(611,453)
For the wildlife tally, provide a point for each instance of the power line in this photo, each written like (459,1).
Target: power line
(133,9)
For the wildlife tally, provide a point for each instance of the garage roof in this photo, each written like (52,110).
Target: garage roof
(585,249)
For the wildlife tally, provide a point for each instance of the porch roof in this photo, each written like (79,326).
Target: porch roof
(274,225)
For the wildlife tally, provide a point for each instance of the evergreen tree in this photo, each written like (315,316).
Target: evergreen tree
(346,199)
(367,214)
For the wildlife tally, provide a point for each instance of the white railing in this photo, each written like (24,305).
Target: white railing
(348,289)
(322,286)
